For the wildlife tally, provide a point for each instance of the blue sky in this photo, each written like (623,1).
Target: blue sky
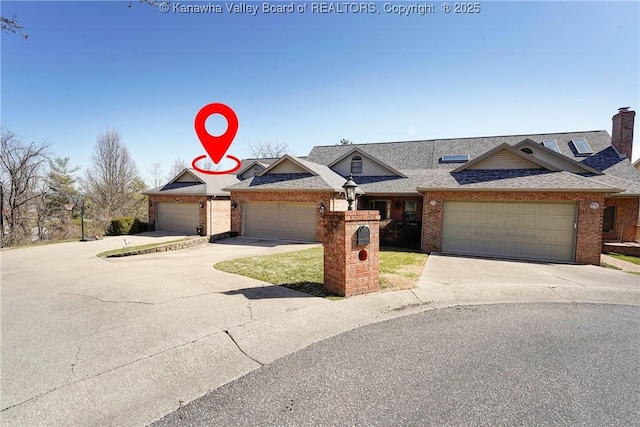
(313,78)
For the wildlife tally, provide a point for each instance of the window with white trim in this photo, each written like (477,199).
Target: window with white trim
(356,164)
(410,213)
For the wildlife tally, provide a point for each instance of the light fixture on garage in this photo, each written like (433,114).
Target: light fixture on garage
(350,191)
(594,205)
(322,209)
(433,203)
(234,205)
(201,205)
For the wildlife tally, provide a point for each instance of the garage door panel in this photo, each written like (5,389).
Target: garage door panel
(536,231)
(296,221)
(178,217)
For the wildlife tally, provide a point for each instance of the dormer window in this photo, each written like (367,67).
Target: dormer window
(551,144)
(356,164)
(455,158)
(582,147)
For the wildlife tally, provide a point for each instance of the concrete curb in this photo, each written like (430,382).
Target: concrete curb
(618,263)
(173,246)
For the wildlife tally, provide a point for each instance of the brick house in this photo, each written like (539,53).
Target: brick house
(548,197)
(190,200)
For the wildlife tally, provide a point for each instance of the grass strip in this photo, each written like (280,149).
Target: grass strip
(137,248)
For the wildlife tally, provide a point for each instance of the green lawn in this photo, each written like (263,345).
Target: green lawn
(302,270)
(628,258)
(135,248)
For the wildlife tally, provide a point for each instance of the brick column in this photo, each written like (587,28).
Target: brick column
(349,268)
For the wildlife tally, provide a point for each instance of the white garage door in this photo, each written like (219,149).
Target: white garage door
(532,231)
(295,221)
(178,217)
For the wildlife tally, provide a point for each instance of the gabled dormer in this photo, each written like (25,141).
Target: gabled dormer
(252,169)
(358,163)
(506,157)
(548,151)
(287,165)
(186,176)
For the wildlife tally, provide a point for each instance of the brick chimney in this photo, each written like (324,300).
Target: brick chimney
(622,133)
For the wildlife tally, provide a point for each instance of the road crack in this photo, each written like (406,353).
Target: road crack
(146,302)
(150,356)
(568,280)
(251,319)
(241,350)
(553,289)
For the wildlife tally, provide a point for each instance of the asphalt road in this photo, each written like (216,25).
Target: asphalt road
(508,364)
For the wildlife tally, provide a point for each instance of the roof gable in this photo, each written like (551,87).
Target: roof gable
(550,156)
(192,182)
(505,157)
(255,167)
(187,175)
(371,166)
(287,165)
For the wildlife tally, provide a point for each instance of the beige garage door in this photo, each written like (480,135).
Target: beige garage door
(532,231)
(178,217)
(296,221)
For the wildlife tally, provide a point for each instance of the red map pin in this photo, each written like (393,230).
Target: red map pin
(216,146)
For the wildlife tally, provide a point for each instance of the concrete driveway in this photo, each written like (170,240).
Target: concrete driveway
(87,340)
(90,341)
(456,279)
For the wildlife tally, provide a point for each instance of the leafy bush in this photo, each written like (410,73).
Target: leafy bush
(127,225)
(139,227)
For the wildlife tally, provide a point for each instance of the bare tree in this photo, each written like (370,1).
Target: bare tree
(345,141)
(11,26)
(113,183)
(21,172)
(156,175)
(178,166)
(268,150)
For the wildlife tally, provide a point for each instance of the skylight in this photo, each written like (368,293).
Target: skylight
(456,158)
(552,145)
(581,146)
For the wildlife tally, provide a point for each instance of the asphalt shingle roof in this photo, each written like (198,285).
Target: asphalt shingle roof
(420,162)
(426,154)
(283,181)
(514,179)
(211,185)
(320,177)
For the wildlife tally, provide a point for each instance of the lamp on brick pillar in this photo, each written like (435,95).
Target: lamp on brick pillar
(350,191)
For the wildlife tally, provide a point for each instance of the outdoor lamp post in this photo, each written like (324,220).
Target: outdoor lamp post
(350,191)
(79,198)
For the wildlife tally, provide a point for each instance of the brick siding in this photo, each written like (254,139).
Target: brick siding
(344,273)
(626,218)
(589,224)
(622,132)
(219,208)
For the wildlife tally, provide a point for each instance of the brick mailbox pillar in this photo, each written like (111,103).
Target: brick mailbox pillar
(351,247)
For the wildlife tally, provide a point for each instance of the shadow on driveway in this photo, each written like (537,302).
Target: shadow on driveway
(293,290)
